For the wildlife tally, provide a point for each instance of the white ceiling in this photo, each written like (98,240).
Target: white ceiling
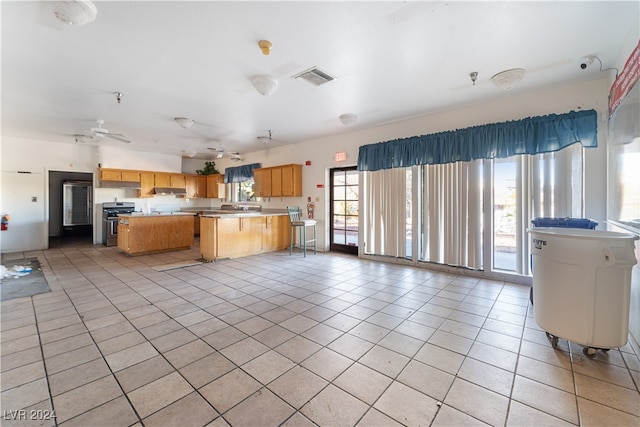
(390,60)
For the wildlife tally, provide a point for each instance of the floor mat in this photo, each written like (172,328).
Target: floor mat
(24,286)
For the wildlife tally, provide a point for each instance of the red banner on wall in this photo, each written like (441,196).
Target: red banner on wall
(625,80)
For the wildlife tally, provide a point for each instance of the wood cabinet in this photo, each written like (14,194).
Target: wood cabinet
(169,180)
(292,180)
(262,182)
(278,181)
(213,187)
(196,186)
(151,234)
(237,236)
(119,175)
(146,184)
(275,233)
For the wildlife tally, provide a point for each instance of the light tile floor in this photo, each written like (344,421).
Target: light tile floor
(274,339)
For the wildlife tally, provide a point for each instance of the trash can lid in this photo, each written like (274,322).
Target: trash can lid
(581,233)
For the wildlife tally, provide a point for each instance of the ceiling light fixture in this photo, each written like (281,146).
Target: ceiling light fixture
(508,79)
(184,122)
(348,119)
(75,12)
(189,153)
(265,46)
(265,85)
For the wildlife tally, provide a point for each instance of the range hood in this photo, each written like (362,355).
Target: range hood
(120,184)
(168,190)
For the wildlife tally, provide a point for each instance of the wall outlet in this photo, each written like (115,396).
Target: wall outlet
(34,199)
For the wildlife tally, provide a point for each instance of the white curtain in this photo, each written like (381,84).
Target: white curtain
(549,185)
(385,212)
(452,214)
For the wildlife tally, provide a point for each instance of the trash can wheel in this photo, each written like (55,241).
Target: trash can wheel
(590,352)
(553,339)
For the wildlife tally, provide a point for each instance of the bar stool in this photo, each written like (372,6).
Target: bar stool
(297,222)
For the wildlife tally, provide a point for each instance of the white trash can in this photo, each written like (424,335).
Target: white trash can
(582,285)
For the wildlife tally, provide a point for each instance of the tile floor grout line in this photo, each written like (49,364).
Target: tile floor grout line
(291,286)
(107,364)
(44,365)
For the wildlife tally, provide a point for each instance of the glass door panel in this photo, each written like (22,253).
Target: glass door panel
(344,209)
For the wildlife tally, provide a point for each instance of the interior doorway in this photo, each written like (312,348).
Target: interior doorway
(343,209)
(71,208)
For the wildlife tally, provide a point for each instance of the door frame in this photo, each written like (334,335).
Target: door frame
(349,249)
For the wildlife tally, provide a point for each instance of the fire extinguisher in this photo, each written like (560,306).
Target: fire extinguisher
(310,207)
(5,222)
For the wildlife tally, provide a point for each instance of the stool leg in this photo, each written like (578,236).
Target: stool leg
(315,241)
(303,242)
(291,239)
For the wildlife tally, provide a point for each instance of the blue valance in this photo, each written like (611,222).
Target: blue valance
(532,135)
(240,173)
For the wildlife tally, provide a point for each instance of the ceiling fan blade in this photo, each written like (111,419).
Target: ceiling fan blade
(118,137)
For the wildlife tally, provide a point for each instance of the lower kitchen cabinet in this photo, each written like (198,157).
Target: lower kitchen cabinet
(236,236)
(145,234)
(275,233)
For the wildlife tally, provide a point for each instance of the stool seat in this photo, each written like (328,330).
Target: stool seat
(300,225)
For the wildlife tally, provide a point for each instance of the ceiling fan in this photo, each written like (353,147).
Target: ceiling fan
(266,139)
(221,152)
(98,133)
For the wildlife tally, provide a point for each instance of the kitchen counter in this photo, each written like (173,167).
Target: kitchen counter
(155,214)
(144,234)
(242,214)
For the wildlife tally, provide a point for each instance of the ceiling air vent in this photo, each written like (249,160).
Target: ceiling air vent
(314,76)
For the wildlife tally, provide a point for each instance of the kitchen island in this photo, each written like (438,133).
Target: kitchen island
(140,234)
(238,234)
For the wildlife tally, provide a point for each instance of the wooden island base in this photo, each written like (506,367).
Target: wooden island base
(147,234)
(234,236)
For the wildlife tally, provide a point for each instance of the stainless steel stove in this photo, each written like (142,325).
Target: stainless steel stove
(110,212)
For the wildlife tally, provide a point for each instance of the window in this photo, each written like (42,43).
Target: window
(464,212)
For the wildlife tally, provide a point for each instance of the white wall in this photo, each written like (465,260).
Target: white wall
(41,156)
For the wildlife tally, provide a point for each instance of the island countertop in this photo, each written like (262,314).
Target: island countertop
(155,214)
(219,213)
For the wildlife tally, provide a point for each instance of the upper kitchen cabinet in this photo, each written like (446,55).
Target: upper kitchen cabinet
(169,180)
(196,186)
(278,181)
(292,180)
(262,182)
(146,184)
(214,189)
(119,175)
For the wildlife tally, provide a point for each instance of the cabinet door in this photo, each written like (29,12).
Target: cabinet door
(292,180)
(162,179)
(190,186)
(130,176)
(239,237)
(212,185)
(262,182)
(110,175)
(276,182)
(201,186)
(146,184)
(177,180)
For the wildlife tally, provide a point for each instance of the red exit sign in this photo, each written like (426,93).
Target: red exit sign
(341,156)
